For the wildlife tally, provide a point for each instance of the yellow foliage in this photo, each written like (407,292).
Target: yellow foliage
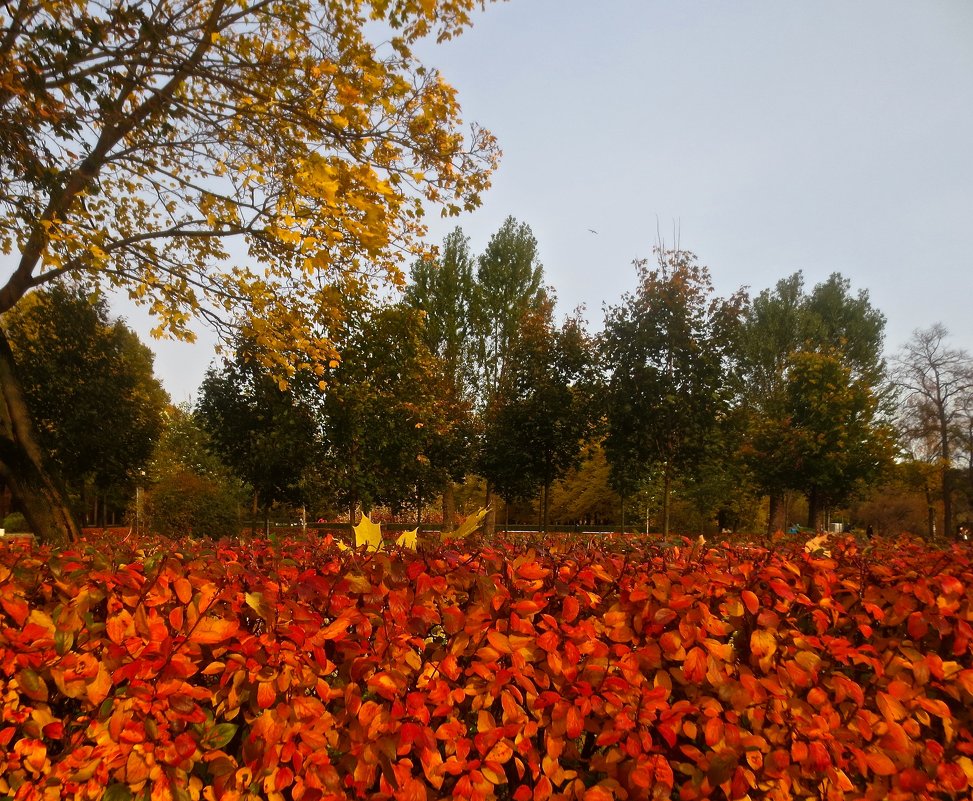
(368,534)
(408,539)
(471,524)
(294,133)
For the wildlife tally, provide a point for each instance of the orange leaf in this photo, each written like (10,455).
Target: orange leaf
(890,708)
(694,668)
(499,641)
(880,764)
(532,571)
(98,689)
(211,630)
(17,609)
(570,609)
(184,590)
(750,601)
(117,627)
(432,762)
(575,722)
(266,695)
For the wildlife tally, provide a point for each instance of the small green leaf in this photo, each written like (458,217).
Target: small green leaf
(63,640)
(34,686)
(117,792)
(220,735)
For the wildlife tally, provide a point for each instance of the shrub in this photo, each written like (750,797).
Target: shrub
(15,523)
(620,668)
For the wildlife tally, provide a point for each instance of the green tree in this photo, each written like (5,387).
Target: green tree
(666,351)
(189,490)
(536,425)
(89,384)
(779,326)
(509,286)
(268,435)
(388,414)
(443,289)
(138,138)
(832,439)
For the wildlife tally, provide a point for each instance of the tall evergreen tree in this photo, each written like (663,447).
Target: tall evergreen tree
(509,286)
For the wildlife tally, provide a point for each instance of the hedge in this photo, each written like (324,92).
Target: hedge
(526,670)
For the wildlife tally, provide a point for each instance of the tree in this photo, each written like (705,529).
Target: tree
(189,490)
(780,325)
(935,381)
(137,139)
(536,424)
(388,414)
(509,286)
(443,289)
(89,386)
(268,435)
(666,351)
(831,438)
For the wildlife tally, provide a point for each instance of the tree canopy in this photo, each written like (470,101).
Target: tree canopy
(666,352)
(90,388)
(139,139)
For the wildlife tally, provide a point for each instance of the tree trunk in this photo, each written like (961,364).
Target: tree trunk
(813,509)
(776,513)
(418,507)
(547,505)
(930,512)
(666,488)
(22,466)
(449,507)
(490,521)
(945,453)
(947,502)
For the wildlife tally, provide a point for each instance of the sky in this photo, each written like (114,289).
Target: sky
(766,137)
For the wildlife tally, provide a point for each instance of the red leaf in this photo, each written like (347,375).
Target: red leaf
(694,668)
(211,630)
(17,609)
(880,764)
(570,609)
(575,722)
(266,695)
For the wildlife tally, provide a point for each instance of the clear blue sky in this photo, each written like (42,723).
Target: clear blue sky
(818,136)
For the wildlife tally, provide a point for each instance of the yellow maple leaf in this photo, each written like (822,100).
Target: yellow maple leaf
(368,534)
(816,546)
(471,524)
(408,539)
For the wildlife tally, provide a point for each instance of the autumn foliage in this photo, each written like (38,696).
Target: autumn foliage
(525,670)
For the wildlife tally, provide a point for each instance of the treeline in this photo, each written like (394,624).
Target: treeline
(687,410)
